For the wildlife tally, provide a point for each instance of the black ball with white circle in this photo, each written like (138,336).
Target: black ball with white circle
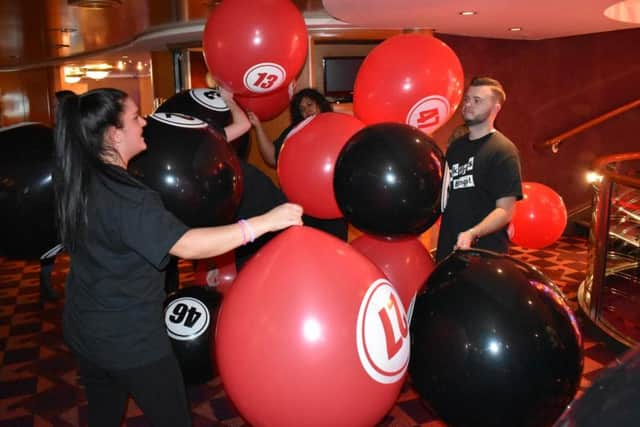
(207,105)
(193,168)
(27,221)
(190,316)
(204,103)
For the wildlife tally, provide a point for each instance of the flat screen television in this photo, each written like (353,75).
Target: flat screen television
(339,76)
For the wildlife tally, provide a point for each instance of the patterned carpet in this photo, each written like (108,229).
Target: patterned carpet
(38,378)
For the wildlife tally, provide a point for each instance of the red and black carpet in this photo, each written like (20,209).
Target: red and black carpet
(38,378)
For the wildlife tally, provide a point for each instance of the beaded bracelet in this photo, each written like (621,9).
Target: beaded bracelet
(244,235)
(252,234)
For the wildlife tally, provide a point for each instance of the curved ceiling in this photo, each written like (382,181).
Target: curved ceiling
(540,19)
(44,32)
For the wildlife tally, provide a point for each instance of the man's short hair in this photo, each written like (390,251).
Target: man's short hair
(494,85)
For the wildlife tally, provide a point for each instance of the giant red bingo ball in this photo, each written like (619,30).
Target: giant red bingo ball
(254,47)
(311,333)
(539,218)
(308,159)
(406,263)
(414,79)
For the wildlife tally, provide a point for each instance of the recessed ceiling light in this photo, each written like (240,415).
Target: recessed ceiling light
(514,29)
(95,4)
(468,13)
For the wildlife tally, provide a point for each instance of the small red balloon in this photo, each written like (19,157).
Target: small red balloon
(311,333)
(254,47)
(218,272)
(308,159)
(539,218)
(406,263)
(268,106)
(414,79)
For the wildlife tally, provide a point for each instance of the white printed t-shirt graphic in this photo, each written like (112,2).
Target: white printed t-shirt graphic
(461,175)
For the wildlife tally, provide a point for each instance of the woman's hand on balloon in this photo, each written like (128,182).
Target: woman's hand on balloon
(253,119)
(283,216)
(226,94)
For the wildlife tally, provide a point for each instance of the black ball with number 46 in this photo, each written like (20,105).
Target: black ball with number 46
(190,315)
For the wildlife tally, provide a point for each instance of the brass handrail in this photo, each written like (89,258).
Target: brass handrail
(555,141)
(590,292)
(599,166)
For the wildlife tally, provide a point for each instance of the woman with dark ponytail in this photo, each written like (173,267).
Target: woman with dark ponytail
(120,237)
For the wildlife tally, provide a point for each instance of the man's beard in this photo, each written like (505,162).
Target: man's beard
(479,119)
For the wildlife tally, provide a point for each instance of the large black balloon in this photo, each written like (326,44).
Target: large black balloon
(207,105)
(388,180)
(493,343)
(192,167)
(190,317)
(612,399)
(27,219)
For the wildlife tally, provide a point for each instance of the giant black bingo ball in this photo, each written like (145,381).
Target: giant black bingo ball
(493,343)
(388,180)
(611,400)
(207,105)
(193,168)
(27,219)
(190,317)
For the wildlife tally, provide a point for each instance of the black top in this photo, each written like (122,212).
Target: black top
(481,171)
(113,312)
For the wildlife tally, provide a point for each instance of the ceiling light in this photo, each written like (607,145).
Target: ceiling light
(468,13)
(94,4)
(71,79)
(97,74)
(515,29)
(73,74)
(624,11)
(97,71)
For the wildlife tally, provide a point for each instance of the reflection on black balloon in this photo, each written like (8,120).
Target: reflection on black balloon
(388,179)
(494,336)
(27,219)
(611,400)
(192,167)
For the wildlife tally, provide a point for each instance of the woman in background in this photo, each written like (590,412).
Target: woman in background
(305,103)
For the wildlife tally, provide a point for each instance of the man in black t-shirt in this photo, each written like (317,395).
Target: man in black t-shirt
(482,177)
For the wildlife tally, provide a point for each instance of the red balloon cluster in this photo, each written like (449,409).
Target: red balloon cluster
(254,47)
(308,158)
(539,218)
(311,333)
(406,263)
(409,78)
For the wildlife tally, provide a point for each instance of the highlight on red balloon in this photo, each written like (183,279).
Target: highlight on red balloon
(255,47)
(539,218)
(414,79)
